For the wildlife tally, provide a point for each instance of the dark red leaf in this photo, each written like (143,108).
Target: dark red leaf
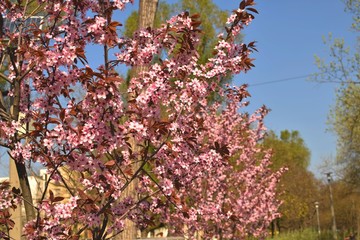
(242,5)
(58,199)
(10,223)
(62,114)
(186,215)
(16,191)
(253,10)
(194,16)
(113,79)
(51,196)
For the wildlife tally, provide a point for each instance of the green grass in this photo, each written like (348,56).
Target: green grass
(307,234)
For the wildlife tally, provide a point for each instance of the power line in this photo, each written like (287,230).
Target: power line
(280,80)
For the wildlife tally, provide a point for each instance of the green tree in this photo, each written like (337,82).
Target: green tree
(289,149)
(344,117)
(298,185)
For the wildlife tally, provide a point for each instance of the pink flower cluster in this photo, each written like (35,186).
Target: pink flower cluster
(196,164)
(9,199)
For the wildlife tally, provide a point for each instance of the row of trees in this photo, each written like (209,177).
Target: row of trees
(300,191)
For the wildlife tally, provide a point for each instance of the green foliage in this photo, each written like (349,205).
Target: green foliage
(163,13)
(345,121)
(288,150)
(131,24)
(347,209)
(307,234)
(298,186)
(344,66)
(346,206)
(344,118)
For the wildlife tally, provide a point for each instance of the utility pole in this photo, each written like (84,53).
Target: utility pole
(334,229)
(318,218)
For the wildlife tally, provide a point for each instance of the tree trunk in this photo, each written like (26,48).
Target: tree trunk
(147,11)
(25,191)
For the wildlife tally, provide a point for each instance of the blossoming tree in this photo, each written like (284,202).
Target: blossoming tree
(198,166)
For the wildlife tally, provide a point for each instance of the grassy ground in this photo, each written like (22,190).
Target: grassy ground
(307,234)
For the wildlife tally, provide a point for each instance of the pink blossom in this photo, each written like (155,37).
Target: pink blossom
(96,139)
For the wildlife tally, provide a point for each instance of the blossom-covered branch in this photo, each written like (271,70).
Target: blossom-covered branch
(197,162)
